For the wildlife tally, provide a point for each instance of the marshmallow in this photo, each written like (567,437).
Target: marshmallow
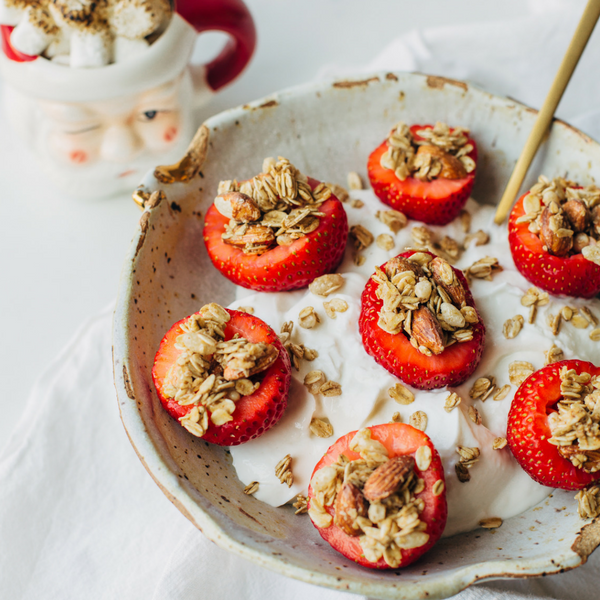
(59,46)
(12,11)
(35,31)
(124,48)
(92,33)
(76,13)
(136,19)
(90,48)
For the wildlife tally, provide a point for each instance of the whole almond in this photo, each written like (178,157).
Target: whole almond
(399,264)
(349,504)
(444,276)
(558,246)
(578,214)
(427,331)
(254,234)
(265,361)
(238,206)
(596,218)
(452,167)
(388,477)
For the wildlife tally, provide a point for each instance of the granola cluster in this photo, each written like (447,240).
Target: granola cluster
(212,374)
(565,217)
(275,208)
(422,296)
(441,153)
(575,426)
(374,498)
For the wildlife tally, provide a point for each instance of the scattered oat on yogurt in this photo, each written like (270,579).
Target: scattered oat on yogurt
(470,416)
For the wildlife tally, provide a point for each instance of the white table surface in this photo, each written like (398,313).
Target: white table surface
(60,259)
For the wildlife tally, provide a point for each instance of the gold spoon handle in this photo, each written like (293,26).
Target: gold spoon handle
(544,118)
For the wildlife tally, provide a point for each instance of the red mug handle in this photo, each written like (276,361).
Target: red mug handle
(231,17)
(7,47)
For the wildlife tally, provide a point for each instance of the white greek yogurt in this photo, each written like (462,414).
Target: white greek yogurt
(498,486)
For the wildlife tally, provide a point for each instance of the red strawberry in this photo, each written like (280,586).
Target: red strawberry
(396,354)
(281,268)
(528,429)
(254,414)
(569,275)
(400,440)
(435,202)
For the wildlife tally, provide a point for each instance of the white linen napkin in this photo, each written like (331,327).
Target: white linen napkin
(81,519)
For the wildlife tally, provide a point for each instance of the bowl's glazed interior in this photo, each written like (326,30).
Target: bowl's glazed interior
(326,130)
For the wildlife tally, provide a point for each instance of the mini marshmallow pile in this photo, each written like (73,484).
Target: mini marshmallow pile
(84,33)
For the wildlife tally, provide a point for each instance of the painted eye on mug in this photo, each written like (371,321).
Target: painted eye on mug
(149,115)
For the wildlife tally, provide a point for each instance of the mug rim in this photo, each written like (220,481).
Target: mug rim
(162,61)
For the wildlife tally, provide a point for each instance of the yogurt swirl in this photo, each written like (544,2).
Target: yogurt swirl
(498,486)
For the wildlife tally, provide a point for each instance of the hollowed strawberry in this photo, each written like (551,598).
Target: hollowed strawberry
(529,431)
(254,413)
(415,453)
(437,201)
(571,275)
(278,265)
(395,352)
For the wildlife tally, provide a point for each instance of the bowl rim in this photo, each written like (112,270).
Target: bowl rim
(431,586)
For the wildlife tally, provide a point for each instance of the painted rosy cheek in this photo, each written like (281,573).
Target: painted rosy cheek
(78,157)
(170,134)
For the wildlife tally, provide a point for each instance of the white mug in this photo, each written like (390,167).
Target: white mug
(96,131)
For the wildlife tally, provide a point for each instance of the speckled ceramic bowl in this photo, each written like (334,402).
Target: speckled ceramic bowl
(326,129)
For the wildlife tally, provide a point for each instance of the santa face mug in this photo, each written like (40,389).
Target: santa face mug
(103,98)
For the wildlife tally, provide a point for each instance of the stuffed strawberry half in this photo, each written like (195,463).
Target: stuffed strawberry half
(554,237)
(426,172)
(554,425)
(378,496)
(223,374)
(419,321)
(277,231)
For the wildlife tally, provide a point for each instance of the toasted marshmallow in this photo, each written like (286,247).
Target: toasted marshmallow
(76,13)
(137,19)
(35,31)
(91,33)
